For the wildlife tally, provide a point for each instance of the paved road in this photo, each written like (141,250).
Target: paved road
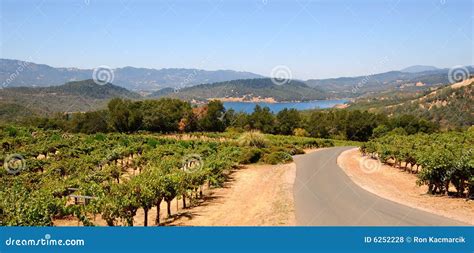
(326,196)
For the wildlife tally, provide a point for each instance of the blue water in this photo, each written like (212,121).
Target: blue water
(276,107)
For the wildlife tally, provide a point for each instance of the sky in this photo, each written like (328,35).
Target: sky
(308,39)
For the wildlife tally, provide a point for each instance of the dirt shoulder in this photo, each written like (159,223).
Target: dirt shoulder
(399,186)
(256,195)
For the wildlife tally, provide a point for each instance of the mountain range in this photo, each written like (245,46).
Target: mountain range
(15,73)
(202,84)
(392,81)
(418,68)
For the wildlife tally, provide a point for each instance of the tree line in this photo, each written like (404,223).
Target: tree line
(169,115)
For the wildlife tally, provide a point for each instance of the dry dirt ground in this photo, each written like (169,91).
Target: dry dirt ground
(399,186)
(255,195)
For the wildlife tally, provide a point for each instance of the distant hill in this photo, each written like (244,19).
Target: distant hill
(14,73)
(451,106)
(247,90)
(419,68)
(373,85)
(70,97)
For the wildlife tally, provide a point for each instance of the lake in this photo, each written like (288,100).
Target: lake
(276,107)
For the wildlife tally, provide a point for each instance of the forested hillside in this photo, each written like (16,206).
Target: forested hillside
(70,97)
(449,106)
(379,83)
(248,90)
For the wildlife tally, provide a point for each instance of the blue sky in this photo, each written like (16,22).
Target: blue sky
(314,39)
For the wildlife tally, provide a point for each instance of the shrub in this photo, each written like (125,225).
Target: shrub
(100,137)
(234,130)
(152,142)
(278,157)
(253,139)
(252,155)
(12,132)
(300,132)
(326,143)
(295,151)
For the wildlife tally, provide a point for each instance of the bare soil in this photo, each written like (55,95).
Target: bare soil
(400,186)
(257,195)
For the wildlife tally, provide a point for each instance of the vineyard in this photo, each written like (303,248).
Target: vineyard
(440,160)
(50,175)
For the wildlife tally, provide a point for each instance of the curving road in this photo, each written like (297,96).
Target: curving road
(326,196)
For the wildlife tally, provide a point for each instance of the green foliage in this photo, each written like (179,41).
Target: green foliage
(262,119)
(89,122)
(358,125)
(287,121)
(163,115)
(124,115)
(121,172)
(251,155)
(444,158)
(277,157)
(213,120)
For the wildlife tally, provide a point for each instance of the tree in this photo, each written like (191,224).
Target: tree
(318,124)
(125,116)
(380,131)
(89,122)
(360,125)
(262,119)
(287,121)
(165,115)
(214,118)
(188,123)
